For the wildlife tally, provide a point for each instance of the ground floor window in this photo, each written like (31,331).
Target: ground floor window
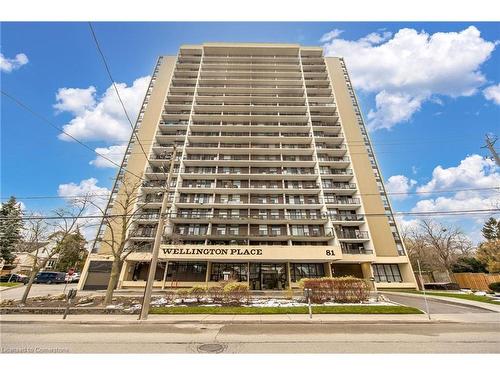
(306,270)
(238,271)
(187,271)
(387,273)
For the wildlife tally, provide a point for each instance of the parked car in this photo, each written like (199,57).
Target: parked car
(74,278)
(50,278)
(14,278)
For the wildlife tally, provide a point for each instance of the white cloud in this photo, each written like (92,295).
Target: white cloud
(331,35)
(101,118)
(392,108)
(76,101)
(399,186)
(473,172)
(492,93)
(83,188)
(8,65)
(99,196)
(376,38)
(407,225)
(412,67)
(115,153)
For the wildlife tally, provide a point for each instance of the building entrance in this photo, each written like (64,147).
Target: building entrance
(268,276)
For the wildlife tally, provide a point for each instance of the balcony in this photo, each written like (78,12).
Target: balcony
(148,233)
(353,235)
(356,251)
(347,218)
(344,201)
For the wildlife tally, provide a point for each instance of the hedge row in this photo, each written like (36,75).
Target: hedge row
(337,289)
(230,292)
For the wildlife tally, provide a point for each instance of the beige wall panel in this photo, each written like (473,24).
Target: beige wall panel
(380,230)
(137,161)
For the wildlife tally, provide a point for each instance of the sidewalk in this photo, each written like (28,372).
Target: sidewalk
(458,301)
(252,319)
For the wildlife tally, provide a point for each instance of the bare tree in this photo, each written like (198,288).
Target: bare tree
(127,205)
(37,231)
(436,246)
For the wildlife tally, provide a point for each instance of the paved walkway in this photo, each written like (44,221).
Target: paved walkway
(438,304)
(253,319)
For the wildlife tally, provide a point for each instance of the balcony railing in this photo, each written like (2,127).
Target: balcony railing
(356,251)
(347,217)
(329,200)
(352,235)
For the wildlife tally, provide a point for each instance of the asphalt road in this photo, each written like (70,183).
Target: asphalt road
(428,337)
(435,306)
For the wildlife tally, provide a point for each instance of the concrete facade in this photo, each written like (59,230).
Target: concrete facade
(275,178)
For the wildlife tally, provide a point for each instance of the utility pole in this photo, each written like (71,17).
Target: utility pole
(490,142)
(156,247)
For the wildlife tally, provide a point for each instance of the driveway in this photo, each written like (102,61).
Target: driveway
(435,307)
(36,290)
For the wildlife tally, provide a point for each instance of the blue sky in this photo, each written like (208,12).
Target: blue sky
(428,91)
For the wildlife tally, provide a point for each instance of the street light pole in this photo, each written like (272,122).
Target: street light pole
(156,247)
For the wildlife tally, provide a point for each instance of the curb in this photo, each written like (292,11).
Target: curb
(11,287)
(208,322)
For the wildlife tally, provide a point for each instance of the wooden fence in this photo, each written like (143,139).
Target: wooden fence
(475,281)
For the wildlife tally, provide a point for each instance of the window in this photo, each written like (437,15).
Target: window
(387,273)
(238,271)
(273,199)
(186,271)
(263,230)
(301,270)
(300,230)
(275,230)
(221,230)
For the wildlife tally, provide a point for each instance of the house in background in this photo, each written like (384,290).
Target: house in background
(23,263)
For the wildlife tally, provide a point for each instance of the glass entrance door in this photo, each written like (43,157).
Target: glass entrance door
(268,276)
(269,280)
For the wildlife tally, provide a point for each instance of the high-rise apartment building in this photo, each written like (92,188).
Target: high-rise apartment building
(275,178)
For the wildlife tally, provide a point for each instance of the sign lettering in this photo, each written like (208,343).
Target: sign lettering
(209,251)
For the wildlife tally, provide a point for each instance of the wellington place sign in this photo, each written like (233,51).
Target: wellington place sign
(294,253)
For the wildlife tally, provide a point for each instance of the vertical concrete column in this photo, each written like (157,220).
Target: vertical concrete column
(123,272)
(407,273)
(366,268)
(288,275)
(164,275)
(328,269)
(209,270)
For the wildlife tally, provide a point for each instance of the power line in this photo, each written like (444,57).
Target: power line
(362,194)
(108,70)
(43,118)
(400,213)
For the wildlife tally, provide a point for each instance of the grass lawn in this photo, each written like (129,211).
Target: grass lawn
(244,310)
(470,297)
(8,285)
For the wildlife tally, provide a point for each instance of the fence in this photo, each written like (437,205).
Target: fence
(475,281)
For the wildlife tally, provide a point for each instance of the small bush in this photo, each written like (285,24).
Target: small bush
(495,287)
(337,289)
(182,294)
(198,291)
(216,293)
(236,292)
